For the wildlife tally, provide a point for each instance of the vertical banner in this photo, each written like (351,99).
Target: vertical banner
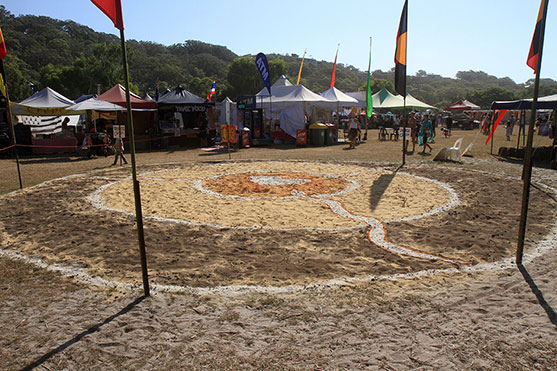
(400,54)
(263,68)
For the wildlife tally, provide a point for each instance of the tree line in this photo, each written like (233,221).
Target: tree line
(74,59)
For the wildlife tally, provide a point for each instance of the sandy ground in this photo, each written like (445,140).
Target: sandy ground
(502,319)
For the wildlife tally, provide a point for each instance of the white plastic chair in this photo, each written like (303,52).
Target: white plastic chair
(455,149)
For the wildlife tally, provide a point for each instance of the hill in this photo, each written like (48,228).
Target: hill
(74,60)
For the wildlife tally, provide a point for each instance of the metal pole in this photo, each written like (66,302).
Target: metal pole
(138,213)
(493,131)
(10,122)
(527,170)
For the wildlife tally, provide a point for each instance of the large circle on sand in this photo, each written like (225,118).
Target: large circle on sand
(267,195)
(272,226)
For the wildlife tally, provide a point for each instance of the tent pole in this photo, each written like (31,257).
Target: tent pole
(492,134)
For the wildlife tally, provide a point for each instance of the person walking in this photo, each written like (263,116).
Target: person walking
(119,151)
(426,131)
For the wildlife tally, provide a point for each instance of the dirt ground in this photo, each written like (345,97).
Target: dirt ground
(458,319)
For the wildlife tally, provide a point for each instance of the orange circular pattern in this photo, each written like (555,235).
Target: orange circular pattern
(243,184)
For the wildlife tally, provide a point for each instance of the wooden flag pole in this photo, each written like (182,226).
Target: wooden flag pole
(527,169)
(405,124)
(10,122)
(138,213)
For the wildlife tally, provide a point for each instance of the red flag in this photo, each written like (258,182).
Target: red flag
(334,70)
(113,10)
(400,53)
(497,121)
(3,50)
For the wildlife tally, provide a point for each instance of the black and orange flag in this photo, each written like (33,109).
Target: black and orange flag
(534,53)
(113,10)
(3,50)
(400,53)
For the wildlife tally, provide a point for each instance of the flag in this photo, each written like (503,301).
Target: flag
(113,10)
(3,50)
(498,120)
(301,65)
(400,53)
(334,69)
(263,68)
(532,60)
(211,92)
(369,97)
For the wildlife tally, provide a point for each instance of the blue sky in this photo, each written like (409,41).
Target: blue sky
(444,36)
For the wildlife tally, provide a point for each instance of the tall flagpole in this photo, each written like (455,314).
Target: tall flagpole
(10,122)
(527,169)
(138,212)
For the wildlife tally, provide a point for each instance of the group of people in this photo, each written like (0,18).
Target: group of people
(422,131)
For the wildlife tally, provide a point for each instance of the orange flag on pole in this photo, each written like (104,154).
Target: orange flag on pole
(532,60)
(113,10)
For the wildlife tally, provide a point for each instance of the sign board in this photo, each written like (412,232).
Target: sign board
(118,131)
(245,102)
(191,108)
(301,137)
(228,133)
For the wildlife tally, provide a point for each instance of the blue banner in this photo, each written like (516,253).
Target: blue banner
(263,67)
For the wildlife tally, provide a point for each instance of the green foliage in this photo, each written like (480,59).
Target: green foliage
(73,59)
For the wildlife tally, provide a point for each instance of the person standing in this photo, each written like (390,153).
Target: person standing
(354,129)
(119,150)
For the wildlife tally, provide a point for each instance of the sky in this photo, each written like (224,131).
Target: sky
(444,36)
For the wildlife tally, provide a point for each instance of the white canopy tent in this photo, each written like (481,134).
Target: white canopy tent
(291,103)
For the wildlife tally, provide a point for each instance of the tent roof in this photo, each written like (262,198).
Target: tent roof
(335,95)
(47,98)
(462,105)
(290,94)
(385,99)
(282,81)
(547,102)
(412,102)
(96,104)
(227,100)
(117,95)
(85,97)
(147,97)
(179,95)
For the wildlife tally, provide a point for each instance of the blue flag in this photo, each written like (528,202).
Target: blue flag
(263,67)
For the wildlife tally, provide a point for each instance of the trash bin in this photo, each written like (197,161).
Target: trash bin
(245,137)
(317,134)
(331,135)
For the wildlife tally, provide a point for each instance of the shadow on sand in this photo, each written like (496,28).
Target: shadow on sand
(379,187)
(541,300)
(80,336)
